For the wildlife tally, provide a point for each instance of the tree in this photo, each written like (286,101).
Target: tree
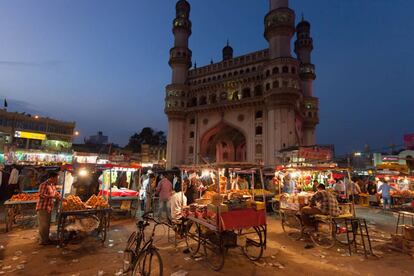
(146,136)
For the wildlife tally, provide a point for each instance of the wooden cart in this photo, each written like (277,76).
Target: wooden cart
(15,208)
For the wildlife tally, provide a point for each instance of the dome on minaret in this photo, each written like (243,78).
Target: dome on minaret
(183,5)
(227,52)
(303,25)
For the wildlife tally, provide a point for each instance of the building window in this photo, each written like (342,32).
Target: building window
(192,121)
(191,150)
(246,93)
(259,114)
(203,100)
(267,73)
(285,69)
(293,70)
(213,98)
(235,96)
(259,149)
(193,102)
(267,86)
(276,84)
(192,134)
(285,84)
(258,90)
(259,130)
(275,70)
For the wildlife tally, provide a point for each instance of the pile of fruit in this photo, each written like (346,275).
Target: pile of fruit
(25,197)
(73,203)
(405,193)
(97,202)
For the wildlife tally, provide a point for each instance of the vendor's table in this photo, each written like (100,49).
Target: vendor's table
(102,214)
(125,203)
(400,200)
(15,208)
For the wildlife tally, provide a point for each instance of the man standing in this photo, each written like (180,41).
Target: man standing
(385,190)
(164,190)
(44,206)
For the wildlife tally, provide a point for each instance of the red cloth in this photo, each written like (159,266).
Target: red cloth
(120,193)
(240,219)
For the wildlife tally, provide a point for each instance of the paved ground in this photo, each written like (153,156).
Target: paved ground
(20,254)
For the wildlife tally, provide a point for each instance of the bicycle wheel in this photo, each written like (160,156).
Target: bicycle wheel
(129,253)
(192,237)
(291,225)
(254,245)
(324,236)
(214,251)
(149,263)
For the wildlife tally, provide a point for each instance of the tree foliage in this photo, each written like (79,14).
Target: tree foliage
(146,136)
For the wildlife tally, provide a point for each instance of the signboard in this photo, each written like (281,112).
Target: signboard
(390,159)
(315,153)
(409,141)
(30,135)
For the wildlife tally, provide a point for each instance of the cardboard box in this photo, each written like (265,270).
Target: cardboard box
(408,232)
(257,205)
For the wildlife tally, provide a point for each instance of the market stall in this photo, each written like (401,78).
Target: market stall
(403,195)
(298,183)
(18,205)
(120,187)
(226,215)
(75,215)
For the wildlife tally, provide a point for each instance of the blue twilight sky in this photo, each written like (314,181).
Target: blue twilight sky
(103,63)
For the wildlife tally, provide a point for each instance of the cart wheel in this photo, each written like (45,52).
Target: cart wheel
(291,225)
(324,236)
(193,237)
(214,251)
(254,245)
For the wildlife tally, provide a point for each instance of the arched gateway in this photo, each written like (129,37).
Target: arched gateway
(223,143)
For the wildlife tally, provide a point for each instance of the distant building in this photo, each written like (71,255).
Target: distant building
(246,108)
(25,138)
(98,139)
(151,154)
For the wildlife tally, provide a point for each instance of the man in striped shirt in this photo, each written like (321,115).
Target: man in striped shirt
(44,206)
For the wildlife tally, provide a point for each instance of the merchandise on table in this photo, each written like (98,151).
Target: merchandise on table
(25,197)
(73,203)
(96,202)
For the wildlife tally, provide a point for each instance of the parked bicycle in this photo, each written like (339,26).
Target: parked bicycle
(325,233)
(140,255)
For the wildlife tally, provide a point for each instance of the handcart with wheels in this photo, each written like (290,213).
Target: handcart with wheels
(222,226)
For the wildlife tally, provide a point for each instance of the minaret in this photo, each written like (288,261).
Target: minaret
(227,52)
(303,50)
(175,101)
(283,96)
(279,28)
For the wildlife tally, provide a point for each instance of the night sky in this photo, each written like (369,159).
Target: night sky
(103,63)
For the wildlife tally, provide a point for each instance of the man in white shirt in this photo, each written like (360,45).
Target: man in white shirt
(177,201)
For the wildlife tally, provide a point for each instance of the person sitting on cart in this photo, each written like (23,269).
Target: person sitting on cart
(44,206)
(321,203)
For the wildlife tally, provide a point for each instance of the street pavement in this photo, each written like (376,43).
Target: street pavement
(20,254)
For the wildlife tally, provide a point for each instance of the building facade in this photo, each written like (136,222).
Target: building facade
(245,108)
(33,139)
(98,139)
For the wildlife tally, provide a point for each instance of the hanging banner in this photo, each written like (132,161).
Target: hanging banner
(315,153)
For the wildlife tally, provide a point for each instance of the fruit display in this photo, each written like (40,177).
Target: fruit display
(73,203)
(25,197)
(405,194)
(97,202)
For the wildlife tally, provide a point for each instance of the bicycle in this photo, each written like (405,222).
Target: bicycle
(325,232)
(140,255)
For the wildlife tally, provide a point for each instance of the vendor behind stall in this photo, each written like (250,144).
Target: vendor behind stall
(323,203)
